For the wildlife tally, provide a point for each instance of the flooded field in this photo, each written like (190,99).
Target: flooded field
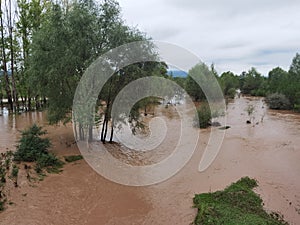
(267,150)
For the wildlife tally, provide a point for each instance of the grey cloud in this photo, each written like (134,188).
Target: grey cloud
(234,34)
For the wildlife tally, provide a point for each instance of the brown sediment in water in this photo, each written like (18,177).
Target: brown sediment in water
(267,151)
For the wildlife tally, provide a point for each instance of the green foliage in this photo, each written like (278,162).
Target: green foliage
(204,115)
(67,42)
(208,80)
(277,80)
(237,204)
(287,84)
(15,171)
(31,146)
(251,81)
(229,83)
(231,93)
(73,158)
(50,162)
(278,101)
(194,90)
(195,76)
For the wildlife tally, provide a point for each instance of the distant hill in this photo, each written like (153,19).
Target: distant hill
(177,73)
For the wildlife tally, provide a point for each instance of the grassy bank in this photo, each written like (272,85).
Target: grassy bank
(237,204)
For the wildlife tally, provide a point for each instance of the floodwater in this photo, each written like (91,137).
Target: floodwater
(267,150)
(12,125)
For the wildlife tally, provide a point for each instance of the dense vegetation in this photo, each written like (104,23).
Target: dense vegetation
(237,204)
(281,88)
(33,148)
(54,42)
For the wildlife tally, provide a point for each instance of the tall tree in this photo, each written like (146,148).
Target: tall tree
(228,81)
(4,59)
(11,21)
(67,42)
(277,80)
(251,81)
(293,88)
(31,13)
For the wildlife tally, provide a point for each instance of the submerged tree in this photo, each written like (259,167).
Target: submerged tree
(67,42)
(4,58)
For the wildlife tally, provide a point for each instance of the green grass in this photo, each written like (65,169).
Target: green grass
(238,204)
(73,158)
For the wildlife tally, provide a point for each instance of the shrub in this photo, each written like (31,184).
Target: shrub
(258,92)
(204,116)
(297,107)
(15,171)
(32,146)
(231,93)
(48,160)
(73,158)
(278,101)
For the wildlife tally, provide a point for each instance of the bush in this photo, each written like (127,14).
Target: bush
(32,146)
(73,158)
(204,116)
(15,171)
(231,93)
(278,101)
(297,107)
(48,160)
(258,92)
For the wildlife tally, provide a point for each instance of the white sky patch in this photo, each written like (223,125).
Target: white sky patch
(235,35)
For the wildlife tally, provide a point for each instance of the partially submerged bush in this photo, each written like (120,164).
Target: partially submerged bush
(204,116)
(73,158)
(278,101)
(231,93)
(33,148)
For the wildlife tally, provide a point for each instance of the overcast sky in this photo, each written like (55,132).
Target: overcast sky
(235,35)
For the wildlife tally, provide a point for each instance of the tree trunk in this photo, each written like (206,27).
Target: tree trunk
(105,131)
(90,133)
(29,103)
(14,90)
(102,130)
(111,132)
(81,132)
(7,83)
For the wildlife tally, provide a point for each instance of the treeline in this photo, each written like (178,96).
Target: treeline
(281,88)
(47,45)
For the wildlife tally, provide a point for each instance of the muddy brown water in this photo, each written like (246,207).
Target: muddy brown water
(267,151)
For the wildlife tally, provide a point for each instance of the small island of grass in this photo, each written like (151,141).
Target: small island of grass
(237,204)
